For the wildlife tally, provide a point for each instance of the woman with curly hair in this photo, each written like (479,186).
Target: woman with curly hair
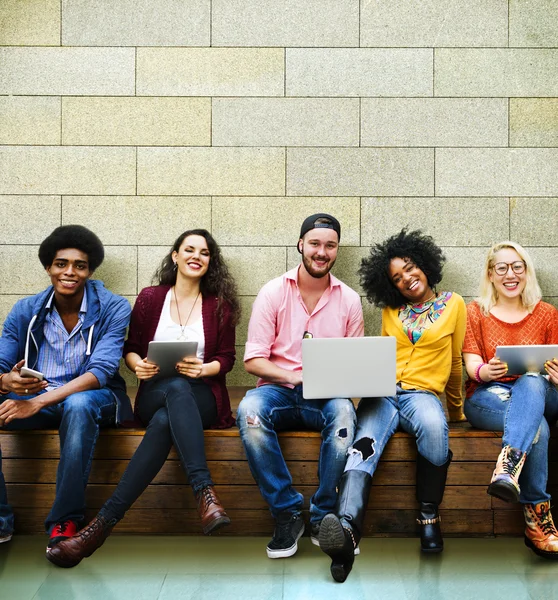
(195,299)
(509,311)
(400,276)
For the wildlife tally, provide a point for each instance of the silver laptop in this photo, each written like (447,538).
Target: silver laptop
(526,359)
(355,367)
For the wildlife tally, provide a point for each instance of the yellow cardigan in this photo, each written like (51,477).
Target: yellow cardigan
(434,362)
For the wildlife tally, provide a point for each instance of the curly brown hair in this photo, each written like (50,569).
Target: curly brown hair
(216,282)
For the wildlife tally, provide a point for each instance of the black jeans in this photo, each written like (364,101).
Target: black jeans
(176,410)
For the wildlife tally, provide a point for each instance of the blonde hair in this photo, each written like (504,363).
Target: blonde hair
(531,294)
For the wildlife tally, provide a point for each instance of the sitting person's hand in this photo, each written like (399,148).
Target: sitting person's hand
(190,366)
(145,370)
(22,386)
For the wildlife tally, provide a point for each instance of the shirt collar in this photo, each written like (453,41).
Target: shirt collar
(82,308)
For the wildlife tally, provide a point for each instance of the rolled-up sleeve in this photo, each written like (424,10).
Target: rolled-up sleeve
(262,327)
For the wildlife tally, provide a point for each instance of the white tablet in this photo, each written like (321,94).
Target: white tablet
(526,359)
(166,354)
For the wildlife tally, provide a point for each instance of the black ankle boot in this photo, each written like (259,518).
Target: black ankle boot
(340,533)
(431,482)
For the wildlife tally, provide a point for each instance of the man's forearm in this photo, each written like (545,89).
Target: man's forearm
(83,383)
(264,368)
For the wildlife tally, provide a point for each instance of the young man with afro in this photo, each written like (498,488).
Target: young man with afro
(71,335)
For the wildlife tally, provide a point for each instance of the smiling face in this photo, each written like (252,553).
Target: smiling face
(192,258)
(510,285)
(69,271)
(319,251)
(410,280)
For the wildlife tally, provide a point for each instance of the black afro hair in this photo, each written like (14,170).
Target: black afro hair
(72,236)
(374,269)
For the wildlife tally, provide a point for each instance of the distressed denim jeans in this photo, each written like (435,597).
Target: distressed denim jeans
(415,411)
(523,411)
(271,408)
(78,419)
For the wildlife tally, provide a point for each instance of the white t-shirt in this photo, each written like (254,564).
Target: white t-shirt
(168,330)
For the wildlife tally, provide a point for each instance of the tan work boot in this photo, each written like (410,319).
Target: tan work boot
(540,533)
(505,479)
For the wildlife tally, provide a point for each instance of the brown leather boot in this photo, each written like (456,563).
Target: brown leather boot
(211,511)
(70,552)
(540,534)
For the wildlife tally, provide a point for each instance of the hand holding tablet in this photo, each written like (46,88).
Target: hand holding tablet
(166,355)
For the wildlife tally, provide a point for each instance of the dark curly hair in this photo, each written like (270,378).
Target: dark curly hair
(217,281)
(72,236)
(374,270)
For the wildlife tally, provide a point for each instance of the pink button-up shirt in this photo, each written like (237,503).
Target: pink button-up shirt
(280,319)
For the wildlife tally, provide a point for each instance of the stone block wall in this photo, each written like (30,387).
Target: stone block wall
(142,118)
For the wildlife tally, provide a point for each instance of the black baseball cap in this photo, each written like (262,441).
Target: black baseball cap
(320,221)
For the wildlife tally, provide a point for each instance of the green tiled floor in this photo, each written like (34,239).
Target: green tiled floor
(237,569)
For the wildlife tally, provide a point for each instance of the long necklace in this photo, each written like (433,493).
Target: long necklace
(183,335)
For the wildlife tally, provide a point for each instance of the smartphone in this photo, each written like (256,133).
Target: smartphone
(25,372)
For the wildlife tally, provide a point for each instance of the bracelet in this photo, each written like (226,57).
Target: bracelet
(477,373)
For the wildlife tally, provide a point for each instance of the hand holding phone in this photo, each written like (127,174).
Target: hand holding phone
(26,372)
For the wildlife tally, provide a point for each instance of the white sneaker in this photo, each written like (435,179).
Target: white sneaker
(5,537)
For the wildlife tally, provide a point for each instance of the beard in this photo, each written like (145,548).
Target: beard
(316,272)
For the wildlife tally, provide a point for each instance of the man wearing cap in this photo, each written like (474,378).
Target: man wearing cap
(305,302)
(71,336)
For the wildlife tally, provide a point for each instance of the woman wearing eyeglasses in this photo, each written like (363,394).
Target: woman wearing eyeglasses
(509,311)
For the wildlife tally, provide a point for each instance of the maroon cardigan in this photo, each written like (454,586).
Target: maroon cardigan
(219,342)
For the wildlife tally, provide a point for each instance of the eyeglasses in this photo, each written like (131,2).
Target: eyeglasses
(502,268)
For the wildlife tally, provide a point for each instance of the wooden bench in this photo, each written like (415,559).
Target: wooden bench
(30,460)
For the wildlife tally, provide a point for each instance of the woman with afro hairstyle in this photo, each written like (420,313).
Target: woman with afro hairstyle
(508,312)
(400,276)
(195,299)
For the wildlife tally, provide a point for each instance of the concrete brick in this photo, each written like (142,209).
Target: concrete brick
(285,122)
(462,271)
(534,221)
(346,266)
(63,170)
(210,72)
(239,376)
(359,72)
(496,72)
(534,23)
(545,266)
(39,215)
(28,120)
(450,221)
(30,23)
(360,172)
(211,171)
(131,220)
(67,71)
(136,23)
(372,318)
(276,221)
(496,172)
(17,281)
(119,269)
(136,121)
(305,23)
(242,328)
(432,23)
(534,122)
(149,259)
(252,267)
(434,122)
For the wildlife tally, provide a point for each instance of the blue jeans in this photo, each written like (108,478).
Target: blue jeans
(271,408)
(523,411)
(175,410)
(417,412)
(78,419)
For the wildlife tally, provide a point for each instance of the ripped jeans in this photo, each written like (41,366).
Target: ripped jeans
(416,411)
(271,408)
(522,410)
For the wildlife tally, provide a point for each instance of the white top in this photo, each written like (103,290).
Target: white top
(168,330)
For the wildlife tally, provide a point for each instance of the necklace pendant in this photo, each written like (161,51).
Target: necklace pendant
(182,337)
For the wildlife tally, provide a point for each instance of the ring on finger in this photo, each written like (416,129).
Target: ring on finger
(26,391)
